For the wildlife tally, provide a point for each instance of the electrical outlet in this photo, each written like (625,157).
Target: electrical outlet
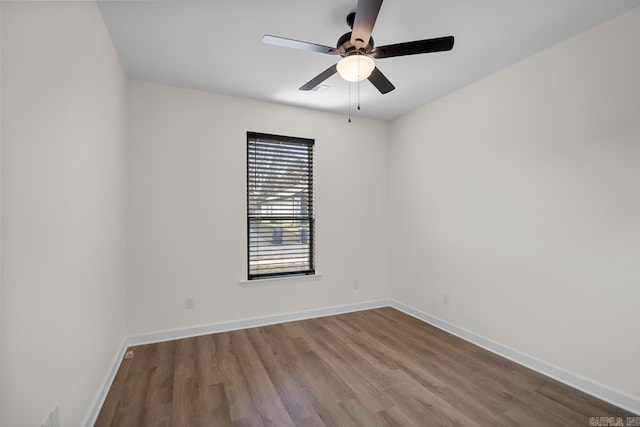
(445,299)
(190,303)
(356,285)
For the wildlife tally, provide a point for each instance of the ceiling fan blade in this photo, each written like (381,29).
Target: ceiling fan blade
(366,15)
(320,78)
(380,81)
(412,48)
(297,44)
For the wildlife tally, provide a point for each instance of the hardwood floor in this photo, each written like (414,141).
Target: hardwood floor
(370,368)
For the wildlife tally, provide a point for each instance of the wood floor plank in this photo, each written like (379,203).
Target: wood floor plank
(110,406)
(371,368)
(361,414)
(420,405)
(582,403)
(266,400)
(186,385)
(234,382)
(394,417)
(440,372)
(311,421)
(359,375)
(130,410)
(254,421)
(284,374)
(158,402)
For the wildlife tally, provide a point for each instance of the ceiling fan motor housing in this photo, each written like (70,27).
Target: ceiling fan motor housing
(344,45)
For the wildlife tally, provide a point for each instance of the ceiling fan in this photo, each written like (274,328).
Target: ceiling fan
(358,50)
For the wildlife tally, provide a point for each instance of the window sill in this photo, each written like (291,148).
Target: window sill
(282,279)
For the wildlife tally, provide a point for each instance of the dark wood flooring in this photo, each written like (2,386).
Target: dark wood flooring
(370,368)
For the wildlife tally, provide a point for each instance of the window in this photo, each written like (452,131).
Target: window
(280,221)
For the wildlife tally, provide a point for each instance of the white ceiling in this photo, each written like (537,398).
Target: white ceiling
(216,45)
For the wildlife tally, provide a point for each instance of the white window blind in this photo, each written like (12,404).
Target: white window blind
(280,218)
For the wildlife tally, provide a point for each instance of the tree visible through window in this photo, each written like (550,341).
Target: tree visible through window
(280,221)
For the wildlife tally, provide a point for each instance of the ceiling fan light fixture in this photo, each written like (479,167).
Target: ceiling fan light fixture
(355,68)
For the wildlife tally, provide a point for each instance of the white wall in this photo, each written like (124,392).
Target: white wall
(2,422)
(519,196)
(187,207)
(63,208)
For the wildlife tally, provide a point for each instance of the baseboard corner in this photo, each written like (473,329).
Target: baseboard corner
(96,405)
(586,385)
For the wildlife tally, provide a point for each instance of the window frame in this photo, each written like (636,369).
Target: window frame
(254,138)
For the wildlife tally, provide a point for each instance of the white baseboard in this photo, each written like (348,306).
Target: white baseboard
(601,391)
(213,328)
(98,401)
(253,322)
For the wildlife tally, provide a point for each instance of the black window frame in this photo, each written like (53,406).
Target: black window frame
(259,143)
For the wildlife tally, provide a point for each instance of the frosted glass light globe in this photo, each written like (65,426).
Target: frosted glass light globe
(355,68)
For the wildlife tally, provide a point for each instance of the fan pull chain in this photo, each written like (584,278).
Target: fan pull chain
(358,84)
(349,121)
